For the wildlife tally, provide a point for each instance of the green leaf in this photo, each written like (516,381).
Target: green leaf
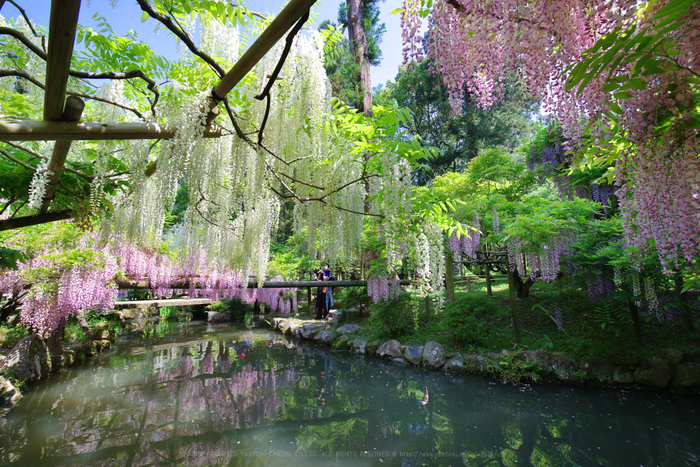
(144,16)
(616,108)
(672,7)
(612,86)
(635,83)
(397,11)
(623,95)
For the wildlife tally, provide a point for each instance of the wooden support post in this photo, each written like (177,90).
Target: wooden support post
(308,299)
(461,271)
(469,284)
(449,278)
(427,308)
(488,279)
(62,26)
(73,111)
(513,306)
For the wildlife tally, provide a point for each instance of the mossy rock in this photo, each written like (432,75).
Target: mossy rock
(28,361)
(372,348)
(101,330)
(69,357)
(342,343)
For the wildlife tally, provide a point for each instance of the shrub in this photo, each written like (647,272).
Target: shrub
(237,308)
(168,311)
(9,336)
(468,319)
(353,297)
(395,318)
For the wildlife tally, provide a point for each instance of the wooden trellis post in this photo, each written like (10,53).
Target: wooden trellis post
(487,273)
(449,278)
(513,306)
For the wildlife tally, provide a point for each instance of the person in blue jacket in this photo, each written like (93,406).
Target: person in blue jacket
(328,276)
(324,299)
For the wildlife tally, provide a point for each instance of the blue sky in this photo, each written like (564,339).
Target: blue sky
(127,15)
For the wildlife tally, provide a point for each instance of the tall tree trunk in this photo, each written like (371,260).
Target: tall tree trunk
(358,46)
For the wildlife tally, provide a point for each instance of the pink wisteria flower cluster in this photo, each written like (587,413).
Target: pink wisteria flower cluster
(479,45)
(57,292)
(546,263)
(467,245)
(69,284)
(382,288)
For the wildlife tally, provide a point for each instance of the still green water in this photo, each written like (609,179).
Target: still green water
(193,394)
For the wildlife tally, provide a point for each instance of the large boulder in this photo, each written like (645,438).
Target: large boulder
(541,358)
(414,354)
(347,328)
(324,337)
(654,372)
(358,346)
(563,367)
(342,343)
(29,360)
(372,348)
(100,331)
(672,356)
(624,359)
(276,323)
(476,364)
(434,355)
(688,376)
(623,375)
(456,364)
(212,317)
(288,327)
(598,369)
(390,349)
(307,330)
(9,395)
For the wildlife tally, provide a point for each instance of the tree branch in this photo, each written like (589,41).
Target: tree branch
(280,63)
(152,86)
(41,156)
(17,161)
(168,23)
(34,81)
(31,26)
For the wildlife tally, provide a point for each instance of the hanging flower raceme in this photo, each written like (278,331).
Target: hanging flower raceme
(62,286)
(381,288)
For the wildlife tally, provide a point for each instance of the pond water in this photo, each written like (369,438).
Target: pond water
(193,394)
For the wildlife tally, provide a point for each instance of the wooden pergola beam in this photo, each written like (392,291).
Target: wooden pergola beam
(62,27)
(89,131)
(126,284)
(19,222)
(269,37)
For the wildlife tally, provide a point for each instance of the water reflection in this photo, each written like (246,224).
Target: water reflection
(198,395)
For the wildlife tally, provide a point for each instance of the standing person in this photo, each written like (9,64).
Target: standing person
(328,276)
(321,310)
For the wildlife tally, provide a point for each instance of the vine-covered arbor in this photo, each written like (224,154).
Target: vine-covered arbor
(62,110)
